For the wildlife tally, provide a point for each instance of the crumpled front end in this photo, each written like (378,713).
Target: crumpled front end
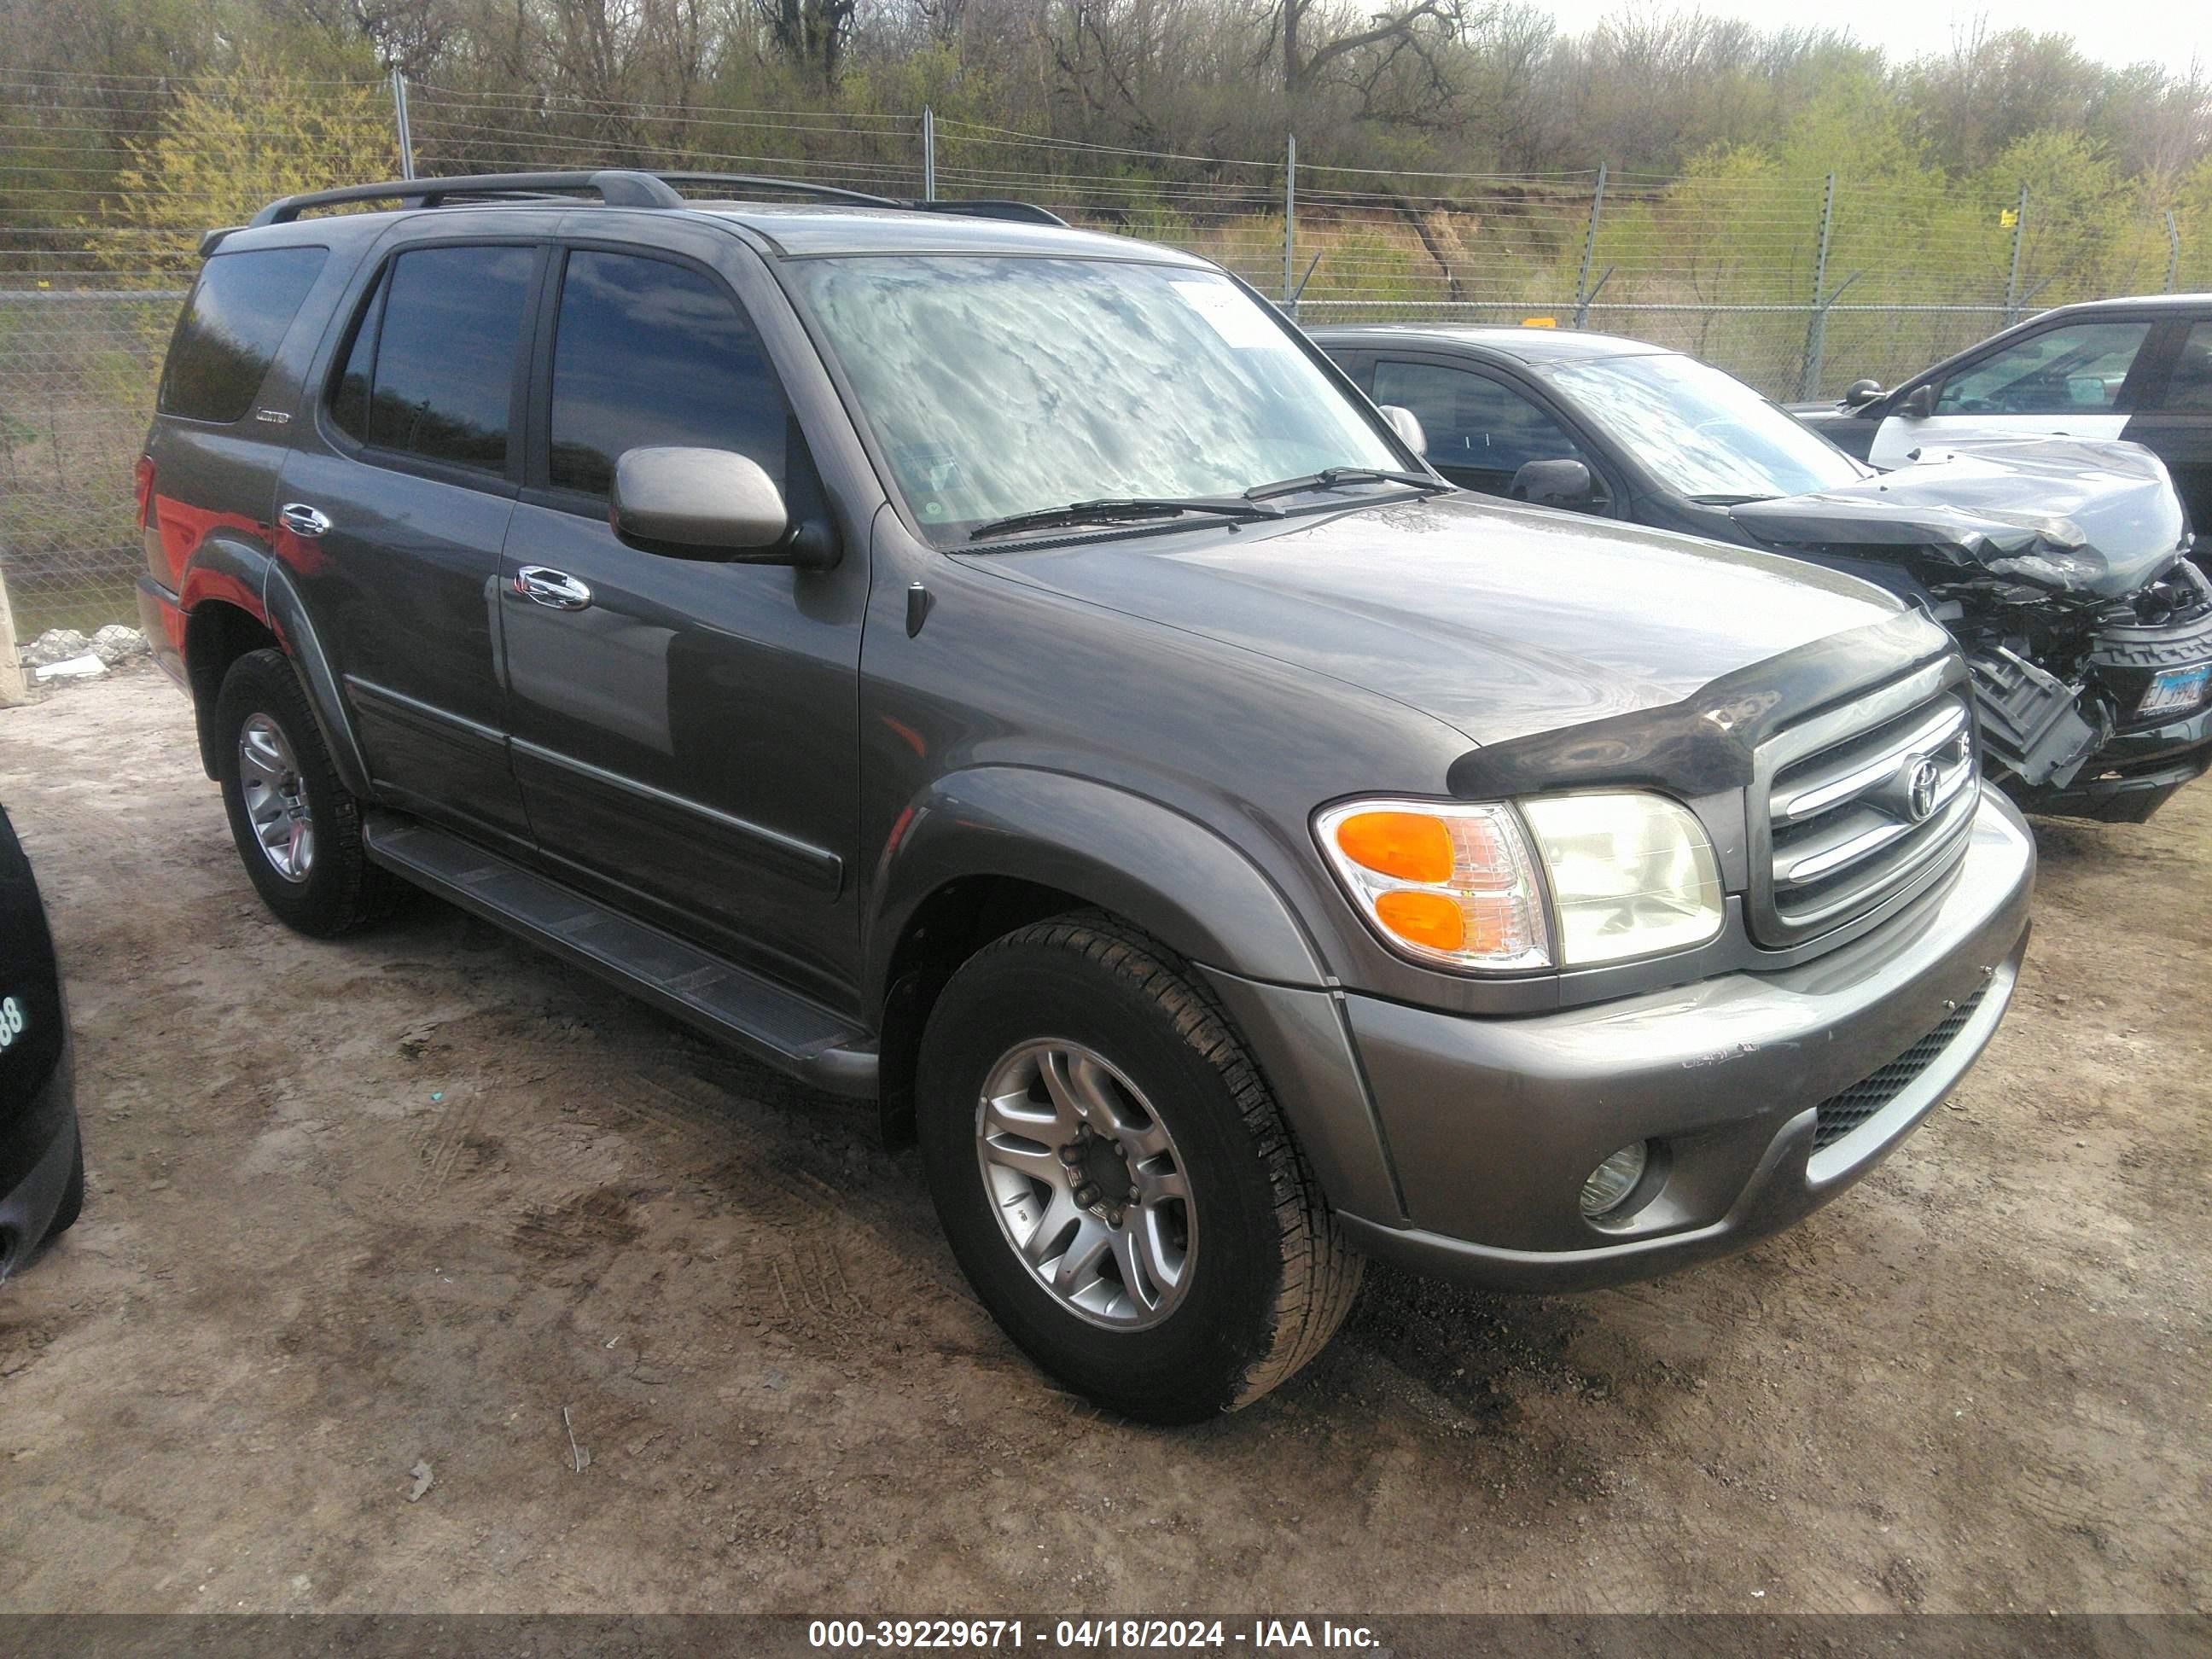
(2059,566)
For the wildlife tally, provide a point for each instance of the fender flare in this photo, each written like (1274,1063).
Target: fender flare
(1187,886)
(227,571)
(1167,873)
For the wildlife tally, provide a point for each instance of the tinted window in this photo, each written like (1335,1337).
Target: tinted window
(239,310)
(2190,388)
(646,353)
(2079,366)
(350,399)
(1472,421)
(441,362)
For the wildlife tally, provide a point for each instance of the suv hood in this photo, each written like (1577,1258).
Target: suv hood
(1499,621)
(2067,515)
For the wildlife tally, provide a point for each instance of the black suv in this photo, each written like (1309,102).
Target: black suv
(1008,673)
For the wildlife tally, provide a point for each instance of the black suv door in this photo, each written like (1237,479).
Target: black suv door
(392,509)
(685,731)
(2175,420)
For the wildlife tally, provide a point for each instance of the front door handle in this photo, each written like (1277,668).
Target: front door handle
(301,520)
(555,588)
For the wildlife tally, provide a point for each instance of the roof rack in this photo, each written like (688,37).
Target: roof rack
(616,187)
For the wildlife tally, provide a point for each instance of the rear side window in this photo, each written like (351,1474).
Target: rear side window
(430,366)
(228,336)
(647,353)
(2190,390)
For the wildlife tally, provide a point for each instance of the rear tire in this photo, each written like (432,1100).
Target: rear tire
(1086,1036)
(298,830)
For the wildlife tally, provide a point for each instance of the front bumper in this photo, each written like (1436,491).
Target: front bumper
(1491,1124)
(37,1150)
(2133,775)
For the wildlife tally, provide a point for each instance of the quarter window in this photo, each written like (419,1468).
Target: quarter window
(2075,368)
(228,336)
(430,368)
(647,353)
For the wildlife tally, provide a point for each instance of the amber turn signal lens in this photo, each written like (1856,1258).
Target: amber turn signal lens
(1408,845)
(1431,919)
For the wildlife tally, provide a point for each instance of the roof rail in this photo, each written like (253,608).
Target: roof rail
(617,187)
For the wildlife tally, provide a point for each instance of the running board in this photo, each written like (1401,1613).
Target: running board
(728,1003)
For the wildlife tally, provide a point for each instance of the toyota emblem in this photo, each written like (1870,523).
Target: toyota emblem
(1920,795)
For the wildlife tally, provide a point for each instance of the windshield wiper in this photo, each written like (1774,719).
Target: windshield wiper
(1727,501)
(1330,477)
(1119,510)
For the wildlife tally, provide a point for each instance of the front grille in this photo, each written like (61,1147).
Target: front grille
(1840,1113)
(1856,804)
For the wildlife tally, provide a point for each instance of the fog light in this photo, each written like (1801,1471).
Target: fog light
(1606,1187)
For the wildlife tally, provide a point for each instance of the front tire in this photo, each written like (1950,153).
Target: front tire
(1116,1179)
(297,829)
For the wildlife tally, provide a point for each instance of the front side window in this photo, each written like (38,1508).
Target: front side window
(1474,424)
(1701,433)
(241,307)
(1000,385)
(648,353)
(430,369)
(2076,368)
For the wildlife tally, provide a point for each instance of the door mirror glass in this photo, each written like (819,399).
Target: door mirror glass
(1860,393)
(711,504)
(1408,426)
(1919,403)
(1556,483)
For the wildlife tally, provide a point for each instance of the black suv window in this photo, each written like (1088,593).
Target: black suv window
(645,352)
(228,335)
(1474,424)
(2190,388)
(430,368)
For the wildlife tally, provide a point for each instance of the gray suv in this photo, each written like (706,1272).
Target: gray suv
(1009,674)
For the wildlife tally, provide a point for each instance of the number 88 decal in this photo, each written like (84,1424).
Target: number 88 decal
(11,1022)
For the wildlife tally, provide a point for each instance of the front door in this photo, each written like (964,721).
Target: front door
(2075,378)
(685,731)
(392,513)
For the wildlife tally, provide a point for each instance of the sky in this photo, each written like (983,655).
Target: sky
(2167,32)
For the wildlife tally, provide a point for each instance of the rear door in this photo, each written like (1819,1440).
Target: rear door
(2175,420)
(393,511)
(2078,378)
(685,731)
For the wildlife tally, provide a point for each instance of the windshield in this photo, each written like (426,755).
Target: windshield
(1002,386)
(1703,433)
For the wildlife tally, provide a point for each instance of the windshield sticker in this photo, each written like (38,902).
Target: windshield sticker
(1232,316)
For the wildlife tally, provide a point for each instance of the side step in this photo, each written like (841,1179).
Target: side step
(728,1003)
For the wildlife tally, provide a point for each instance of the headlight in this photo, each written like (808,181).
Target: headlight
(1631,874)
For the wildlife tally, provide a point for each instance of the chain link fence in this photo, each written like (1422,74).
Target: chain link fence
(1798,285)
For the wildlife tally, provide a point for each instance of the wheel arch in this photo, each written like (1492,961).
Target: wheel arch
(237,598)
(991,849)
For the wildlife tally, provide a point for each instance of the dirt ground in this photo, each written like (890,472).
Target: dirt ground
(425,1199)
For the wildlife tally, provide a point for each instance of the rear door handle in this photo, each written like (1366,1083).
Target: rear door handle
(555,588)
(301,520)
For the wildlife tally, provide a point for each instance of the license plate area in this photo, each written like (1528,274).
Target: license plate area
(2175,691)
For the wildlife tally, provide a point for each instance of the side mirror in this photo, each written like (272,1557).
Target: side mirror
(1919,403)
(1564,484)
(1860,393)
(1408,426)
(711,505)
